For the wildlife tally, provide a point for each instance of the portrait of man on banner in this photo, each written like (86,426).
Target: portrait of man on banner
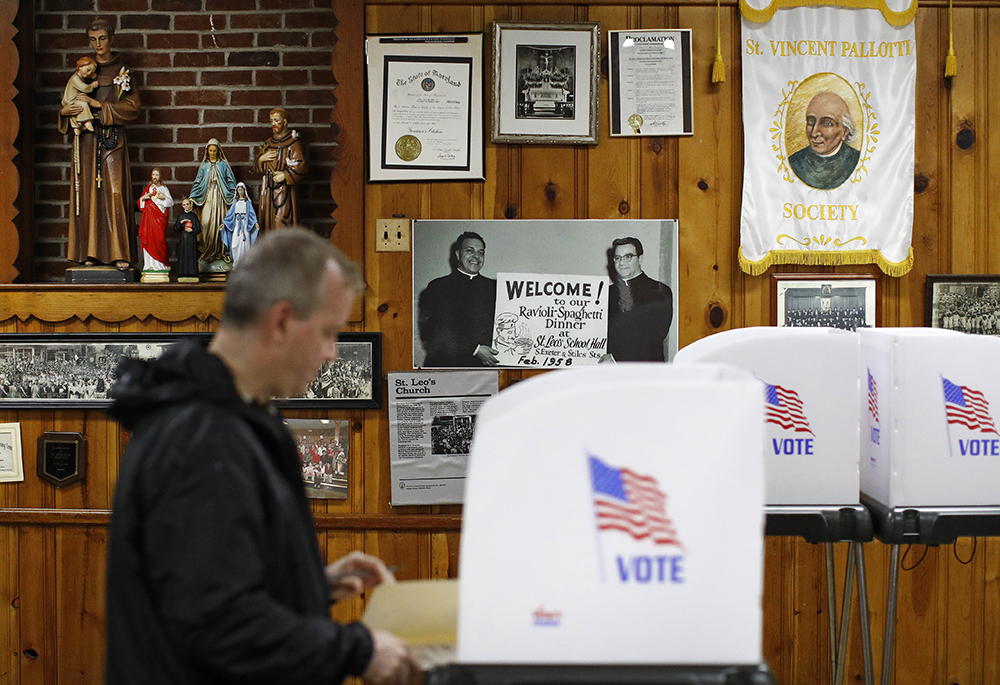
(827,143)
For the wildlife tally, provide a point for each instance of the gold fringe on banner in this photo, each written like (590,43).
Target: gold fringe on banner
(826,258)
(718,67)
(893,18)
(951,61)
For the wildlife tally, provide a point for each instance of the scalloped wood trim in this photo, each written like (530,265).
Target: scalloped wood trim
(112,303)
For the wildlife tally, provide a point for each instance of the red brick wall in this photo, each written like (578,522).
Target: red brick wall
(205,69)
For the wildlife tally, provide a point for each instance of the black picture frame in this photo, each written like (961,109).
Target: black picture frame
(352,347)
(976,296)
(862,289)
(75,370)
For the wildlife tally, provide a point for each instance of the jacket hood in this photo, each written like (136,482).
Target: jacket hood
(186,371)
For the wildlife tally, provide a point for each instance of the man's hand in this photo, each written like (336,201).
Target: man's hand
(355,573)
(487,355)
(392,661)
(268,155)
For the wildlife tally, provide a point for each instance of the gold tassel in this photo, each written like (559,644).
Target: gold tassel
(719,67)
(950,62)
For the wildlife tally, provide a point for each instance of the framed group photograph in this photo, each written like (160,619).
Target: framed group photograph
(845,301)
(964,303)
(545,82)
(649,77)
(324,446)
(425,107)
(76,370)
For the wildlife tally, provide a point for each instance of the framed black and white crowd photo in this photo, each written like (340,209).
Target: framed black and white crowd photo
(352,381)
(845,301)
(545,82)
(49,370)
(964,303)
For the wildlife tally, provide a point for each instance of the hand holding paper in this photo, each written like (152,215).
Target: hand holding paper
(355,573)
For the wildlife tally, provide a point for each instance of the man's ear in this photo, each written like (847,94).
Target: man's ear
(276,321)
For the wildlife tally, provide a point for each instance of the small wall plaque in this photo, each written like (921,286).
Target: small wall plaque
(62,458)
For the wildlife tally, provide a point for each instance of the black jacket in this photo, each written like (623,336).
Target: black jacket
(214,573)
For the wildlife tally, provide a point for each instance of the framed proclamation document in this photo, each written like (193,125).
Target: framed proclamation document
(425,107)
(650,82)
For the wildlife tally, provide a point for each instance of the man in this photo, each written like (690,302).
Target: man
(639,309)
(283,164)
(214,574)
(101,220)
(154,203)
(828,161)
(455,317)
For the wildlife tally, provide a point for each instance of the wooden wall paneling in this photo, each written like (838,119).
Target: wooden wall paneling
(348,119)
(991,608)
(336,544)
(705,188)
(80,612)
(991,145)
(810,654)
(968,166)
(502,187)
(613,165)
(919,654)
(963,624)
(776,642)
(9,124)
(9,580)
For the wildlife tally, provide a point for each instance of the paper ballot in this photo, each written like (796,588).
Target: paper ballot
(422,612)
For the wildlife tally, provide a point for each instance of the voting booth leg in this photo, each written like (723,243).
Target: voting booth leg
(890,615)
(845,617)
(831,609)
(865,616)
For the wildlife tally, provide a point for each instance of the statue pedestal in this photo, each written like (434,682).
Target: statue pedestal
(101,274)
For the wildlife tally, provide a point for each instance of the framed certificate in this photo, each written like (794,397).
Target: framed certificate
(425,107)
(545,82)
(11,464)
(650,82)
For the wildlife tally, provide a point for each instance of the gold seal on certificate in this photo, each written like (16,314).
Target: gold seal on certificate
(408,148)
(635,122)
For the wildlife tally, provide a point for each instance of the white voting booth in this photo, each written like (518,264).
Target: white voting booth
(614,515)
(808,380)
(929,429)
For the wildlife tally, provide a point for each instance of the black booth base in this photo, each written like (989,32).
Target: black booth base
(492,674)
(820,523)
(931,525)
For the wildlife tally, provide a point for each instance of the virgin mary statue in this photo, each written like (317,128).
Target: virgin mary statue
(213,191)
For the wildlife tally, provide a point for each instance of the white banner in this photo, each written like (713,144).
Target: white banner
(828,112)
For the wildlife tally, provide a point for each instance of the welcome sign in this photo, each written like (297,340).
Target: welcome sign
(829,127)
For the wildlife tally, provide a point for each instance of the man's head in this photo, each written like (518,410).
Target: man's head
(154,177)
(628,257)
(279,121)
(101,34)
(186,204)
(828,123)
(294,291)
(470,251)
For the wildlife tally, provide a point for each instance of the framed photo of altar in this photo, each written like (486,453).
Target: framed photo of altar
(425,107)
(545,82)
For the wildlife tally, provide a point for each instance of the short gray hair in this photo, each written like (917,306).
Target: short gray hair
(284,265)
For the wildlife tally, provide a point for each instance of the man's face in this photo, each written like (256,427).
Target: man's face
(824,124)
(186,204)
(101,42)
(313,340)
(278,123)
(627,262)
(471,255)
(155,177)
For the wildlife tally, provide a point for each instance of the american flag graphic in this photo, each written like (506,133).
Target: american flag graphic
(872,397)
(632,503)
(784,408)
(967,407)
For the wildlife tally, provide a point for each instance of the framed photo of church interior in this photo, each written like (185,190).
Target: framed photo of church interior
(324,446)
(545,82)
(965,303)
(845,301)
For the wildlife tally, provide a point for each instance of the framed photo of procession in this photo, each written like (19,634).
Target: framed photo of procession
(545,82)
(845,301)
(965,303)
(543,294)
